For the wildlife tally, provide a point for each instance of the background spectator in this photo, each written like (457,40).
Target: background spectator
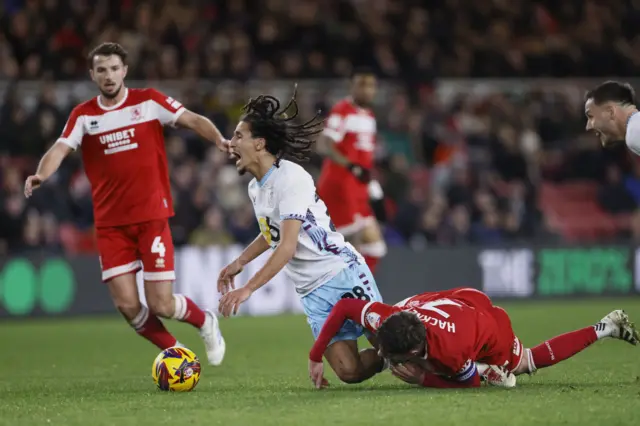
(461,161)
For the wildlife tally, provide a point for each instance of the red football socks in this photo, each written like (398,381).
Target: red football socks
(187,311)
(151,328)
(562,347)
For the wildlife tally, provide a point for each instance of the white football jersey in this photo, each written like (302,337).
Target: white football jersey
(288,192)
(633,133)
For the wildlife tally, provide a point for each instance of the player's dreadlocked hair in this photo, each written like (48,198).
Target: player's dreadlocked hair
(284,139)
(401,333)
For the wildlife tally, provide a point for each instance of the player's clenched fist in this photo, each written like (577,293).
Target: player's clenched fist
(32,182)
(227,276)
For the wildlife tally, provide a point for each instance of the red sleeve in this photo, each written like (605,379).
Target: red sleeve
(435,381)
(368,314)
(166,109)
(345,309)
(73,131)
(335,125)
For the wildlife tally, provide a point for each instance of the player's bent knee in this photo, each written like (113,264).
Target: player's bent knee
(161,306)
(350,376)
(128,307)
(159,295)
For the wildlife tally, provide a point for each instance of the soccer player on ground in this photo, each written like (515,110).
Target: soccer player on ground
(441,339)
(345,184)
(120,132)
(295,224)
(612,114)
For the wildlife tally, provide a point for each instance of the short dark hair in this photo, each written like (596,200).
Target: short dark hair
(106,49)
(401,333)
(612,91)
(284,139)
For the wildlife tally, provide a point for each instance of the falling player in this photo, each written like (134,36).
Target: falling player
(345,184)
(440,339)
(294,223)
(612,114)
(120,132)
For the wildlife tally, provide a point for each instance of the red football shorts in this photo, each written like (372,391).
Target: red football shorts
(130,248)
(508,347)
(348,205)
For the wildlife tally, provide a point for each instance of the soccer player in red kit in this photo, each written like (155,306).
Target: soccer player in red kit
(345,183)
(121,135)
(441,339)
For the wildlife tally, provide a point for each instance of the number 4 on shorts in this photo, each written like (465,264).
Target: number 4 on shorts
(157,247)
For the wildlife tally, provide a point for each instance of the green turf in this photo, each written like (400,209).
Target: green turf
(97,372)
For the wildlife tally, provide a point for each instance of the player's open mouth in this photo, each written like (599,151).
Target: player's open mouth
(235,156)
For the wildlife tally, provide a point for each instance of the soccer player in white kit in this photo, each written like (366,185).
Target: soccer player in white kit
(612,114)
(295,225)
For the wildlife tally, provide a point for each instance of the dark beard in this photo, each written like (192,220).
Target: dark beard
(111,95)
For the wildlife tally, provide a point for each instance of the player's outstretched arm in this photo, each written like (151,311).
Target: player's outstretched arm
(345,309)
(289,231)
(228,273)
(48,165)
(203,127)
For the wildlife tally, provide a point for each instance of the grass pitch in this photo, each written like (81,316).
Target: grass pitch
(98,372)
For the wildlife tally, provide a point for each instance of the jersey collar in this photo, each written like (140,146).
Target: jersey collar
(118,105)
(631,116)
(266,176)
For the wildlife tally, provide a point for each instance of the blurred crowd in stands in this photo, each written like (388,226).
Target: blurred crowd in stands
(474,169)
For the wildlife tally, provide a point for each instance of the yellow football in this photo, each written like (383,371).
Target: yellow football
(176,369)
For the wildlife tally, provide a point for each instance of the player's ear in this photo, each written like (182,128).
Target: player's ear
(92,74)
(125,69)
(260,144)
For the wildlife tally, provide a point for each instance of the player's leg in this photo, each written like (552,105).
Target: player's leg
(119,263)
(157,252)
(349,364)
(372,244)
(615,325)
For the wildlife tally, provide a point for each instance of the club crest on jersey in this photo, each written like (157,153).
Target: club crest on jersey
(136,113)
(373,319)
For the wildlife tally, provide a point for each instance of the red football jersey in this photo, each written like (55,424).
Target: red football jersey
(124,155)
(353,129)
(457,334)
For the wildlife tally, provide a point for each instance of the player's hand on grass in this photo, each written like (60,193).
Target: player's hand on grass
(227,276)
(316,374)
(231,301)
(408,372)
(33,182)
